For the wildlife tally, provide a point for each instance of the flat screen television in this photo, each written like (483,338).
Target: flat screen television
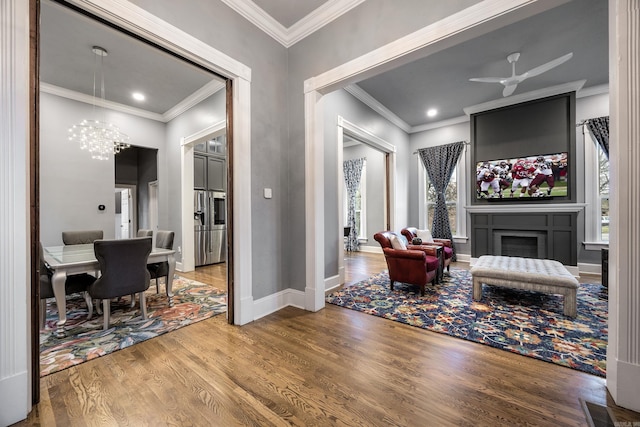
(543,127)
(540,177)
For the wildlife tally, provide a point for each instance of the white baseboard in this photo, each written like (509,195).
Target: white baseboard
(371,249)
(179,266)
(590,268)
(278,301)
(463,258)
(14,398)
(333,282)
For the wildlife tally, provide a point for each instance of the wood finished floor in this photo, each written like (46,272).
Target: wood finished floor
(332,367)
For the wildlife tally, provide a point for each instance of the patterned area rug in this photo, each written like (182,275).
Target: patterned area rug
(527,323)
(193,302)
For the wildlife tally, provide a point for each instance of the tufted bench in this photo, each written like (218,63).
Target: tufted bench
(540,275)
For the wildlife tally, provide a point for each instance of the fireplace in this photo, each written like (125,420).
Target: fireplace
(532,232)
(528,244)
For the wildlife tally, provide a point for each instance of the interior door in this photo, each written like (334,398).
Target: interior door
(125,218)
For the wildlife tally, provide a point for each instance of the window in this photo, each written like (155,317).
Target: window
(451,199)
(361,204)
(603,194)
(596,194)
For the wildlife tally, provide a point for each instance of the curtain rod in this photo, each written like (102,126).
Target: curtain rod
(465,143)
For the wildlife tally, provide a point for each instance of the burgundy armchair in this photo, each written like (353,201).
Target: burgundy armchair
(416,265)
(411,232)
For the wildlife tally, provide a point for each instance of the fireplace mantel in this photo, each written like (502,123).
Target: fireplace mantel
(513,207)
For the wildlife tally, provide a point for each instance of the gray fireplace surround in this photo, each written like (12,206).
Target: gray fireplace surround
(549,233)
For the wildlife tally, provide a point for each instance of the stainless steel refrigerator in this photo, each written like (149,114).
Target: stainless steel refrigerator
(210,226)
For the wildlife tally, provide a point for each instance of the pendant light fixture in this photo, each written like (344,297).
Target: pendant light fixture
(96,135)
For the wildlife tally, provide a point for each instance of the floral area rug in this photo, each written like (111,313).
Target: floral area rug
(86,339)
(527,323)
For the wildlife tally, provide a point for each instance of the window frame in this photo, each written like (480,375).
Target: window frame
(593,199)
(362,189)
(460,235)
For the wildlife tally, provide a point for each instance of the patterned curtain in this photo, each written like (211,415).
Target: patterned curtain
(599,128)
(352,175)
(440,161)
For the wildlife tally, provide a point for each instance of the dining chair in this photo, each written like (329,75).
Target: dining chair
(81,237)
(164,239)
(145,233)
(123,264)
(77,283)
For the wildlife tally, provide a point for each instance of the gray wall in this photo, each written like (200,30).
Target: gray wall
(72,185)
(341,103)
(220,27)
(370,25)
(277,122)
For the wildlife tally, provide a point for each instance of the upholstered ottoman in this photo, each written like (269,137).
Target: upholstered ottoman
(540,275)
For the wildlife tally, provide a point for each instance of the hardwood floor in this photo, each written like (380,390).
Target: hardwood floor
(332,367)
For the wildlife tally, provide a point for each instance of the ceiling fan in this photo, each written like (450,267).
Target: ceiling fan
(510,83)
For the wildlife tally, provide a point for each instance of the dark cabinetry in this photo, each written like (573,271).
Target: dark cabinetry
(199,172)
(210,165)
(216,176)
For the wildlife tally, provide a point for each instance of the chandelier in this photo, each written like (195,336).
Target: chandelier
(98,136)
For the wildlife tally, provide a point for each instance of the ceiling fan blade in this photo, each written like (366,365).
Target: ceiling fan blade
(508,90)
(488,79)
(546,67)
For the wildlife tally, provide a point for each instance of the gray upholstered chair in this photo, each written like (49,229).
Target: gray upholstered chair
(77,283)
(123,264)
(164,239)
(145,233)
(81,237)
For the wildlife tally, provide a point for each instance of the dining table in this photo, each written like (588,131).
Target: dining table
(75,259)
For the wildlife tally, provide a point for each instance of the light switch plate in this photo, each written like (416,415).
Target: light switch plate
(268,193)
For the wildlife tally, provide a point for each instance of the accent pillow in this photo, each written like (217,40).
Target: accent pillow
(397,243)
(425,235)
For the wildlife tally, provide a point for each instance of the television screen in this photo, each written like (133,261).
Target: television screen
(542,176)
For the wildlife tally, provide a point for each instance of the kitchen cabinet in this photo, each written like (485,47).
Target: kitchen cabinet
(216,174)
(199,172)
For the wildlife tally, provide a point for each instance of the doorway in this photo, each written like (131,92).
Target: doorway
(348,131)
(125,212)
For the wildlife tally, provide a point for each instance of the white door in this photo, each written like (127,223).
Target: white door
(153,208)
(125,218)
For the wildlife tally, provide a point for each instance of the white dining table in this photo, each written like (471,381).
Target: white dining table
(75,259)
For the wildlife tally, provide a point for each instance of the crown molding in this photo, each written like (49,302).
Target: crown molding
(198,96)
(298,31)
(439,124)
(593,90)
(524,97)
(261,19)
(193,99)
(320,17)
(376,106)
(88,99)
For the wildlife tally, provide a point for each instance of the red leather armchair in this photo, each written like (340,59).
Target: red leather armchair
(411,232)
(417,265)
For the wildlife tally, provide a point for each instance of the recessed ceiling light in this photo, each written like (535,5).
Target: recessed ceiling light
(432,112)
(138,96)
